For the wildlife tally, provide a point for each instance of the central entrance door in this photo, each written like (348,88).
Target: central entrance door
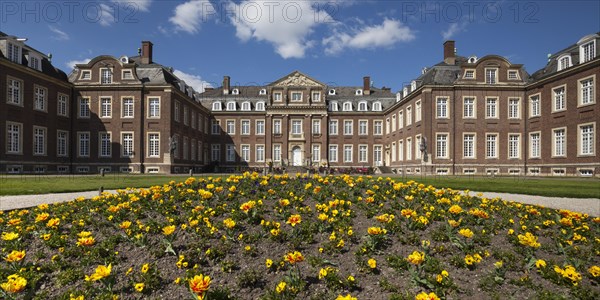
(297,156)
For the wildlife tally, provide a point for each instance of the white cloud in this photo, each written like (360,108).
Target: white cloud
(194,81)
(285,25)
(59,34)
(142,5)
(189,15)
(106,15)
(71,64)
(387,34)
(454,29)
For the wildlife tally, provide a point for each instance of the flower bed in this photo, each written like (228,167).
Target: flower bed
(278,237)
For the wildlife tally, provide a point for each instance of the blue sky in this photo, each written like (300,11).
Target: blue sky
(336,42)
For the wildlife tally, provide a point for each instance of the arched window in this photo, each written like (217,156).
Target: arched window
(216,106)
(347,106)
(231,106)
(362,106)
(333,106)
(564,62)
(235,92)
(358,92)
(332,92)
(260,106)
(246,106)
(377,106)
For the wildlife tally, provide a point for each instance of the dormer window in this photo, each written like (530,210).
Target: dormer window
(260,106)
(105,76)
(86,75)
(262,92)
(513,75)
(216,106)
(377,106)
(413,85)
(246,106)
(332,92)
(405,91)
(564,62)
(347,106)
(398,96)
(34,63)
(490,76)
(472,59)
(587,51)
(14,53)
(362,106)
(235,92)
(358,92)
(333,106)
(127,74)
(231,106)
(469,74)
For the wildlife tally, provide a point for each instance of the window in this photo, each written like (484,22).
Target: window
(105,144)
(86,75)
(34,63)
(230,127)
(246,153)
(260,106)
(186,117)
(408,148)
(84,107)
(393,122)
(316,127)
(193,150)
(347,106)
(215,153)
(235,92)
(296,96)
(363,151)
(441,108)
(559,102)
(393,151)
(14,133)
(245,127)
(277,152)
(534,145)
(513,75)
(245,106)
(469,74)
(176,112)
(262,92)
(587,51)
(260,153)
(175,148)
(62,138)
(230,153)
(105,107)
(216,106)
(347,153)
(559,142)
(358,92)
(377,106)
(277,126)
(534,106)
(400,119)
(418,142)
(418,111)
(469,145)
(441,145)
(469,108)
(14,53)
(333,153)
(378,155)
(193,120)
(514,146)
(215,127)
(363,127)
(316,152)
(362,106)
(332,92)
(564,62)
(62,108)
(127,74)
(200,152)
(39,100)
(514,105)
(491,146)
(231,106)
(105,76)
(587,91)
(153,145)
(333,106)
(316,96)
(277,96)
(333,127)
(14,92)
(377,127)
(387,126)
(586,139)
(127,144)
(127,105)
(260,127)
(296,126)
(408,115)
(348,124)
(490,76)
(84,144)
(401,150)
(491,108)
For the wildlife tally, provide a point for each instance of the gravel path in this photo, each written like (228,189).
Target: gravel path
(590,206)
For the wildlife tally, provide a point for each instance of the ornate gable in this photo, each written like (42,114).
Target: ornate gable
(296,79)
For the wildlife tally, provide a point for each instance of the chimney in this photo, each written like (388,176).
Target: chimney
(146,52)
(366,85)
(226,85)
(449,53)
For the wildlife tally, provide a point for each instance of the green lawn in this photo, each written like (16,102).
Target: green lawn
(557,187)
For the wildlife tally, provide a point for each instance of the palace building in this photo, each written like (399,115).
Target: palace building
(463,115)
